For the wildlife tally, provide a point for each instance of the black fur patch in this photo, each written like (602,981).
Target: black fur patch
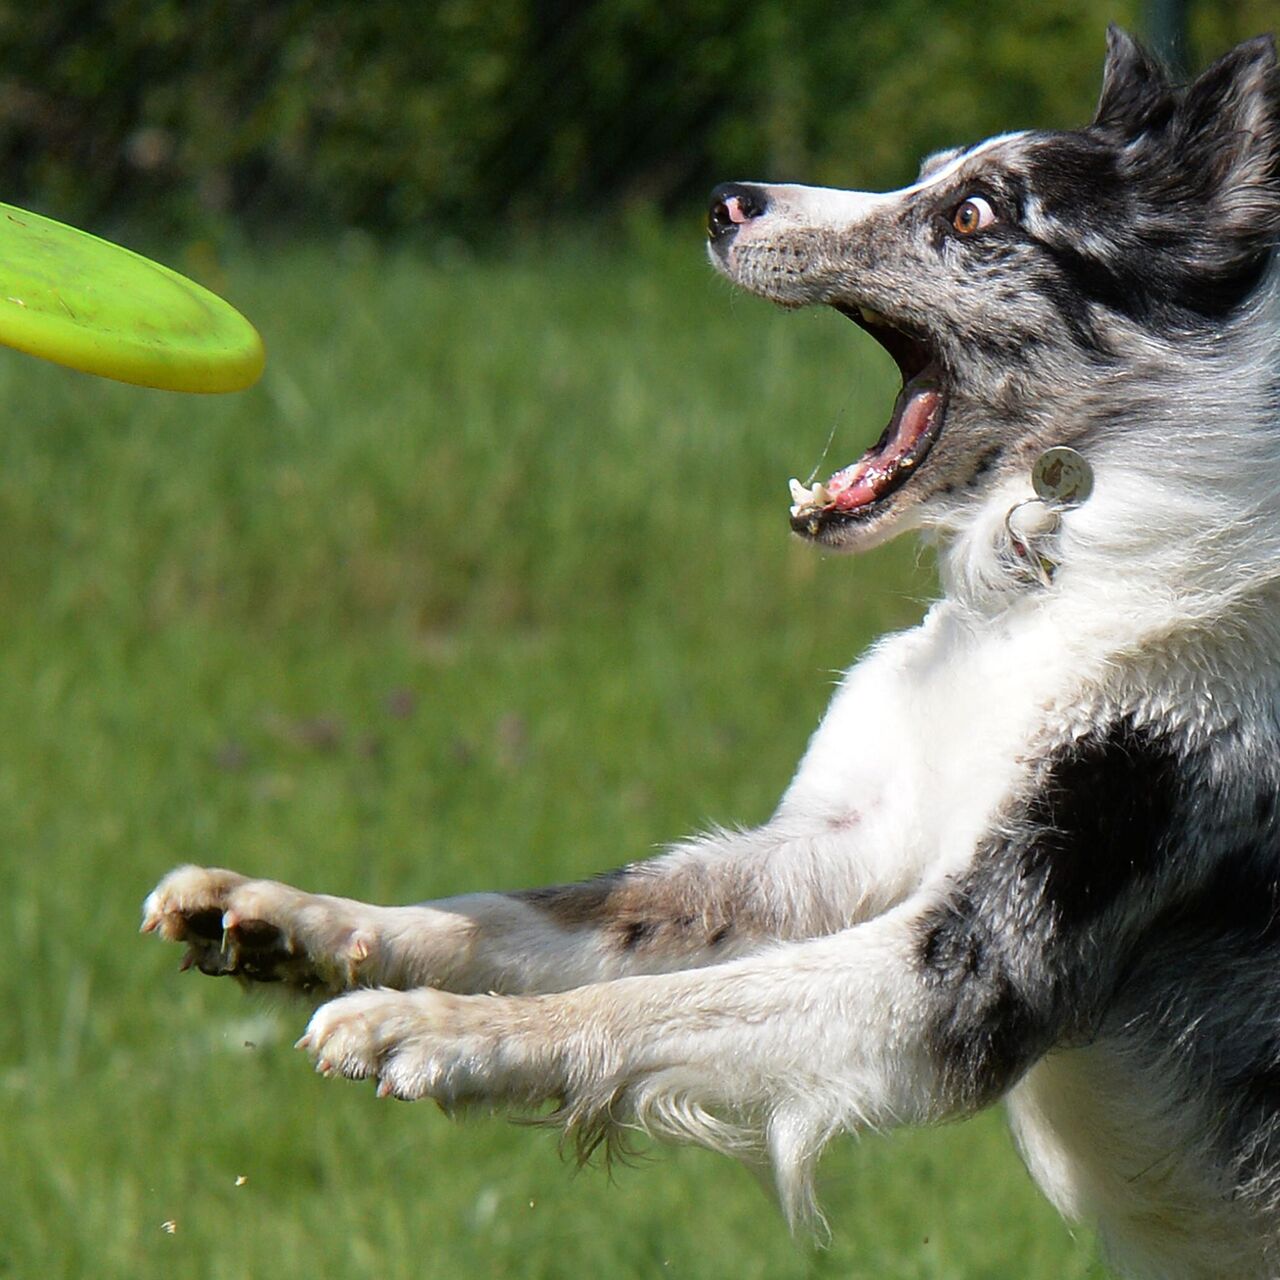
(1237,902)
(1100,820)
(1264,807)
(635,932)
(988,1029)
(1008,943)
(1137,224)
(986,460)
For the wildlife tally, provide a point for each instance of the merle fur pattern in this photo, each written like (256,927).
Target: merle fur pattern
(1033,850)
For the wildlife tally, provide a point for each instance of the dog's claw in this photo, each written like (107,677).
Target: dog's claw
(259,931)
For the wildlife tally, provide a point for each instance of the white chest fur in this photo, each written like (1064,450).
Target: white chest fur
(928,735)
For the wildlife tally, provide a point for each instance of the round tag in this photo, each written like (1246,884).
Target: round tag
(1062,477)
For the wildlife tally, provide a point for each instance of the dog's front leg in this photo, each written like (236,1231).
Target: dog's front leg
(877,1025)
(705,902)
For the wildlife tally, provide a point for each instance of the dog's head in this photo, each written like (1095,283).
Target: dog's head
(1013,279)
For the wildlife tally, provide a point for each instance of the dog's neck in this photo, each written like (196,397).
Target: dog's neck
(1180,528)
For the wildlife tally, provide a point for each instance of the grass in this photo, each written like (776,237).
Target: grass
(486,584)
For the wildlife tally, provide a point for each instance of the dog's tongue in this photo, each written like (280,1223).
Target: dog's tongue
(863,481)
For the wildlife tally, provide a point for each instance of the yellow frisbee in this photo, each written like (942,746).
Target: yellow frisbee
(80,301)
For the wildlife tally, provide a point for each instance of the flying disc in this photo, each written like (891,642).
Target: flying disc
(72,298)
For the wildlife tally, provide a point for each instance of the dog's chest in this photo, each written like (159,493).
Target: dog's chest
(930,734)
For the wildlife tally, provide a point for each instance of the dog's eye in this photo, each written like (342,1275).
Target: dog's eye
(974,214)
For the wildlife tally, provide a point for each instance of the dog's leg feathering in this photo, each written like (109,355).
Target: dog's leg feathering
(776,1051)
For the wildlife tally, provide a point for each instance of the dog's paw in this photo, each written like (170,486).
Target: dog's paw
(431,1044)
(258,930)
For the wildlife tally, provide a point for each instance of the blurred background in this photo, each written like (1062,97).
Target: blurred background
(486,584)
(484,118)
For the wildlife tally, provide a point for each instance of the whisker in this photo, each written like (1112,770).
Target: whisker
(831,435)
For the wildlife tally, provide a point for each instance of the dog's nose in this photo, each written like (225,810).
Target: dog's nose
(732,204)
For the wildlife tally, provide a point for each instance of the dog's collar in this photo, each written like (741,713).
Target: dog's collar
(1062,479)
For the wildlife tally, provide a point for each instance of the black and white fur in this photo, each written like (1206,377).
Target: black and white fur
(1033,850)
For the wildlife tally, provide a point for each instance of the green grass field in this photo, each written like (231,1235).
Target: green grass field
(487,584)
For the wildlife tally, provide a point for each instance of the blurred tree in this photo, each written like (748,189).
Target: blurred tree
(473,116)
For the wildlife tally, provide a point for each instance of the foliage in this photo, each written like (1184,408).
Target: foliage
(469,116)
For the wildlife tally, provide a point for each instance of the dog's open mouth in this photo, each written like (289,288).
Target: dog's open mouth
(854,491)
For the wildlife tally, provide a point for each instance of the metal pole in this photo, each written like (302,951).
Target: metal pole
(1167,31)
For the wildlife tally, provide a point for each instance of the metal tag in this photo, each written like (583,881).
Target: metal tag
(1062,477)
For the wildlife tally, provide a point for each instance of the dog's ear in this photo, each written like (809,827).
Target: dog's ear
(1218,168)
(1135,86)
(1229,125)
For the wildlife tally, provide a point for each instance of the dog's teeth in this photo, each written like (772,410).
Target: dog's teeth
(871,317)
(804,497)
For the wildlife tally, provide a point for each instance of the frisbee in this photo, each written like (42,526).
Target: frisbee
(83,302)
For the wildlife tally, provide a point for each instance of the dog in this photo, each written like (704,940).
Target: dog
(1032,852)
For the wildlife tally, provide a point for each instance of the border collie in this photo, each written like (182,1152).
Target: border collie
(1032,852)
